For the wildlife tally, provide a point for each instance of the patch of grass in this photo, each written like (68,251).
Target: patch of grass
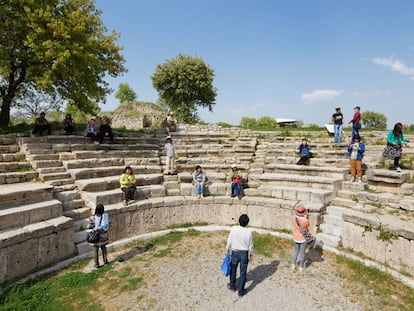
(355,198)
(378,289)
(267,245)
(125,272)
(132,285)
(163,253)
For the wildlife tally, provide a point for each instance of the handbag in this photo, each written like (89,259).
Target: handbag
(306,234)
(225,265)
(94,236)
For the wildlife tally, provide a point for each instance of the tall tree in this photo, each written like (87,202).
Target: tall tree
(59,47)
(125,93)
(184,84)
(374,120)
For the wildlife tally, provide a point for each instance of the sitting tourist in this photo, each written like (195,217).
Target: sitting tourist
(128,185)
(304,152)
(41,125)
(68,125)
(105,131)
(236,180)
(90,131)
(199,180)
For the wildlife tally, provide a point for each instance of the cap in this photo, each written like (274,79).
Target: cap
(300,210)
(357,107)
(233,165)
(168,137)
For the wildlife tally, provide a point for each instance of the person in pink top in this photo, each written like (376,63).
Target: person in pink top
(298,238)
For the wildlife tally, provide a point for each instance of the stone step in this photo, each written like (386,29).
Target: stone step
(29,214)
(63,187)
(211,176)
(187,189)
(48,170)
(89,173)
(47,163)
(9,167)
(335,211)
(80,236)
(323,196)
(171,185)
(79,213)
(10,147)
(81,224)
(16,177)
(55,176)
(73,204)
(173,192)
(43,157)
(327,239)
(112,182)
(333,220)
(12,157)
(343,202)
(325,171)
(90,163)
(13,195)
(83,248)
(115,196)
(359,195)
(297,180)
(331,229)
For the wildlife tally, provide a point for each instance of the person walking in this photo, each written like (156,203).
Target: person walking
(393,150)
(338,121)
(100,221)
(170,156)
(240,244)
(128,182)
(356,151)
(199,179)
(304,152)
(300,219)
(356,122)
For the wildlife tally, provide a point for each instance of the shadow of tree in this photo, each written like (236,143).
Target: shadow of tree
(260,273)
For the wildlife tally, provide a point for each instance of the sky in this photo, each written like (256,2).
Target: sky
(296,59)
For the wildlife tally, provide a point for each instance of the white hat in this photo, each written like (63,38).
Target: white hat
(233,165)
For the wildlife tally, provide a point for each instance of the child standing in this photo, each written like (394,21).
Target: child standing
(356,151)
(170,156)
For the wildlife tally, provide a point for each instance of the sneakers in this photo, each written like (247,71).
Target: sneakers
(293,267)
(300,269)
(96,266)
(352,179)
(242,292)
(397,169)
(359,181)
(231,287)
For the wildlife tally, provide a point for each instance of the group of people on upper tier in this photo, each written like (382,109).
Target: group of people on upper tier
(338,120)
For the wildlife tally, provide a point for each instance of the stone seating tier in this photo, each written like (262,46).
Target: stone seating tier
(14,195)
(112,182)
(99,154)
(9,167)
(16,177)
(30,213)
(35,246)
(98,172)
(325,171)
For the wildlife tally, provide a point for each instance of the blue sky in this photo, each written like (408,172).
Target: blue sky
(285,59)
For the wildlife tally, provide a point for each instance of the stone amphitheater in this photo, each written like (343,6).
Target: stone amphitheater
(49,187)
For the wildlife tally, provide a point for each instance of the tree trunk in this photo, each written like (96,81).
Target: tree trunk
(5,111)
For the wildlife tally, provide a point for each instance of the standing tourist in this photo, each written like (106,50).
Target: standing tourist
(199,180)
(356,122)
(338,121)
(240,243)
(356,151)
(128,185)
(299,220)
(395,139)
(170,156)
(100,221)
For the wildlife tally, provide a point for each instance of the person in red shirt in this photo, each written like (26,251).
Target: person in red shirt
(356,122)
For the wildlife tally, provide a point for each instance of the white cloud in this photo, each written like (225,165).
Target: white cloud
(318,96)
(395,65)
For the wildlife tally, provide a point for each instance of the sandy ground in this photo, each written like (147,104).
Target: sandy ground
(190,279)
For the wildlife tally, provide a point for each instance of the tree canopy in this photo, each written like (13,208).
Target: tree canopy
(57,46)
(125,93)
(374,120)
(184,84)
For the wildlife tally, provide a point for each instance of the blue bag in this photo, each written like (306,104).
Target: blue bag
(225,266)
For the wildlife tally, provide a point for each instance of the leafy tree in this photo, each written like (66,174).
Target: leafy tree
(80,116)
(185,83)
(59,47)
(266,123)
(248,123)
(125,93)
(374,120)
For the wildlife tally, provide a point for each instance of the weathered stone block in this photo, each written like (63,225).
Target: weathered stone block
(47,252)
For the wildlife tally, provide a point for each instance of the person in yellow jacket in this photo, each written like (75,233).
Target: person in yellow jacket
(128,185)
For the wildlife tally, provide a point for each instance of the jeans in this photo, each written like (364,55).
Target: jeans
(237,257)
(300,248)
(128,193)
(235,187)
(199,188)
(337,133)
(355,131)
